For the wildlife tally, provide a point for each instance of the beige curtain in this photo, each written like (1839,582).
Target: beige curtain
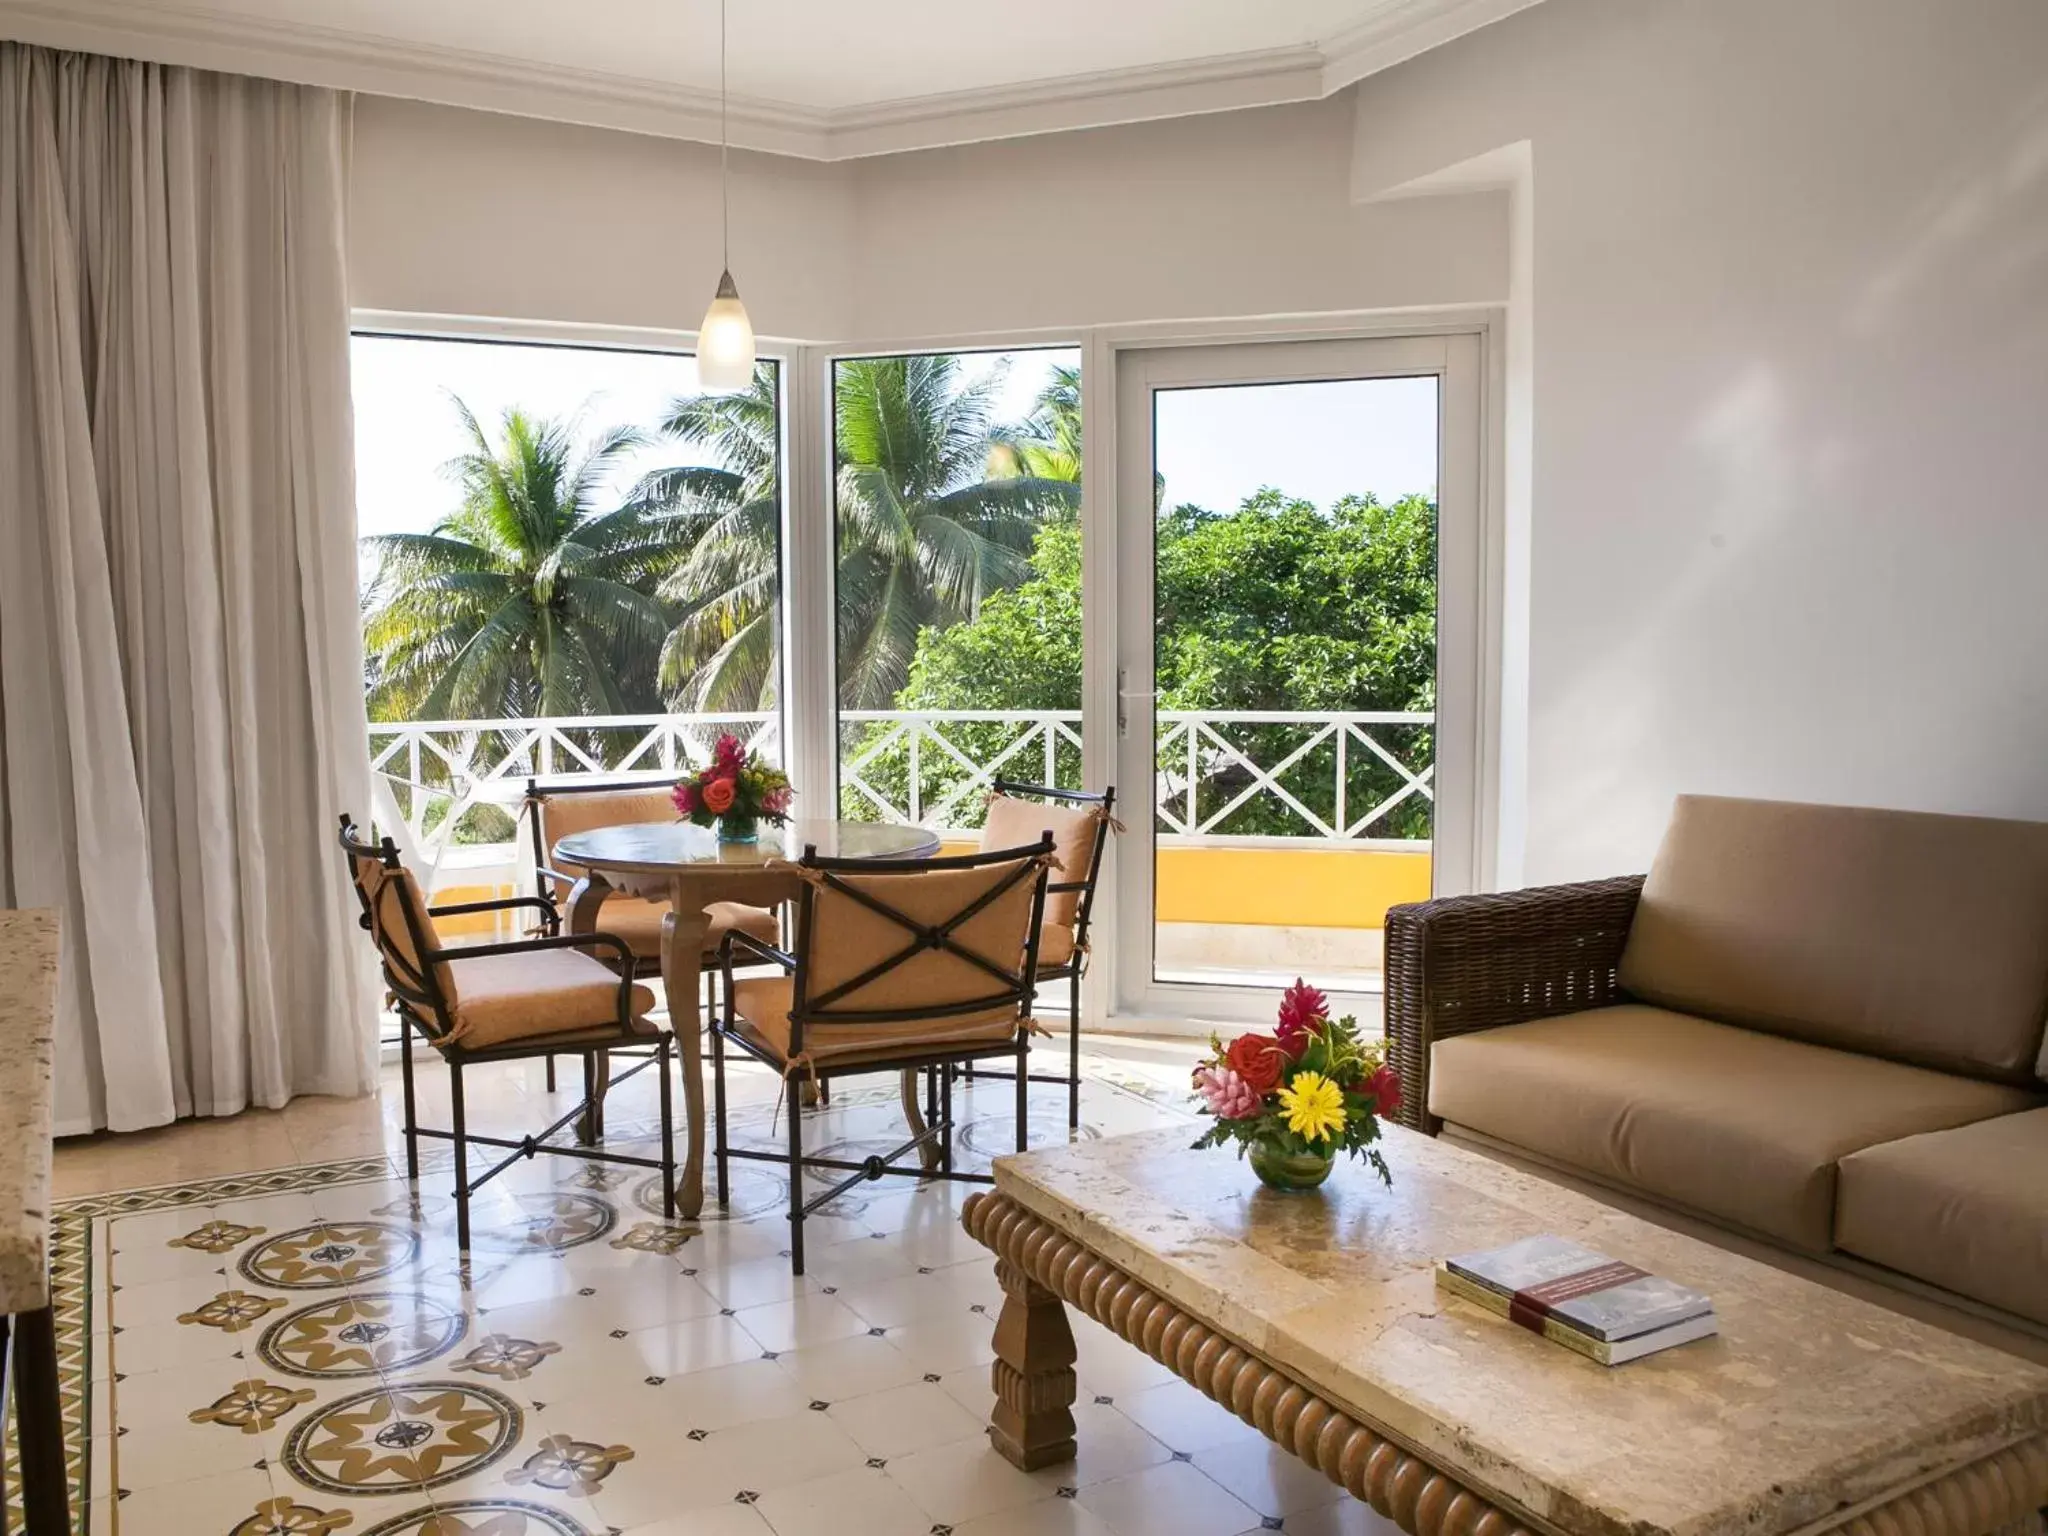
(181,695)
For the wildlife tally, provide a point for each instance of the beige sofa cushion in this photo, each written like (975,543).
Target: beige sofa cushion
(1966,1210)
(1918,937)
(1741,1126)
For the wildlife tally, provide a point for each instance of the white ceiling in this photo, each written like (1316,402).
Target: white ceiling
(828,79)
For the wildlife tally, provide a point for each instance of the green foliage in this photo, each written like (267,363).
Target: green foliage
(525,600)
(1275,606)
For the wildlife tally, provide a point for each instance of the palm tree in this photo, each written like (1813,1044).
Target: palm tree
(936,510)
(1050,444)
(721,651)
(524,601)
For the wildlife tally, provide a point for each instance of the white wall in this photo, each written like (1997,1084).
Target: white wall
(1243,213)
(474,213)
(1235,214)
(1790,275)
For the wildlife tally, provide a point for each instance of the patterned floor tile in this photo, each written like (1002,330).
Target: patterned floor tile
(304,1352)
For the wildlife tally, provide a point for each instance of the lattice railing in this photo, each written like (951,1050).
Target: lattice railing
(1221,775)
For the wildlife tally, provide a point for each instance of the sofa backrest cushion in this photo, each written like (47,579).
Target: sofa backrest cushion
(1902,934)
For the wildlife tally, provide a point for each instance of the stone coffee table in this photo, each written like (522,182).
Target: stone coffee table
(1316,1318)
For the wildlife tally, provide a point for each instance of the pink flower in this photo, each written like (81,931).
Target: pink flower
(776,801)
(728,753)
(1302,1007)
(1229,1096)
(685,798)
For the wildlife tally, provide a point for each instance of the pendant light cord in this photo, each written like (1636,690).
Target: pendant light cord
(724,154)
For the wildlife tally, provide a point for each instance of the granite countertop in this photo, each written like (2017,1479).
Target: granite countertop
(28,1003)
(1809,1401)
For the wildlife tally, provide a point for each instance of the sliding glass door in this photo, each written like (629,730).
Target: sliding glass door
(1297,584)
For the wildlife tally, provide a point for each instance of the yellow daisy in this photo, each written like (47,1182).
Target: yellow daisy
(1314,1105)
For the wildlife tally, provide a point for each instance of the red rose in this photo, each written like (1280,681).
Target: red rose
(1257,1059)
(1384,1087)
(719,795)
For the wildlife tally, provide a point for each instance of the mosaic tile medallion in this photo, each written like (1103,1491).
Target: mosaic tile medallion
(329,1255)
(288,1517)
(480,1517)
(362,1335)
(550,1222)
(402,1439)
(251,1406)
(215,1237)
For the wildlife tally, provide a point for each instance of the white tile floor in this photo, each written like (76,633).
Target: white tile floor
(307,1360)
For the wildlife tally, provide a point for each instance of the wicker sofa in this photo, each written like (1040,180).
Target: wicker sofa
(1813,1032)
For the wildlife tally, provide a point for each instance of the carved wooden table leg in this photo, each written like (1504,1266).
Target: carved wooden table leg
(682,950)
(1033,1374)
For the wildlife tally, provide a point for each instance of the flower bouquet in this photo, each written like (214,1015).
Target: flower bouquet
(1297,1097)
(738,791)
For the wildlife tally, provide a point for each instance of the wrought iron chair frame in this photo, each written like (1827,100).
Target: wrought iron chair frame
(1076,964)
(934,1060)
(422,1005)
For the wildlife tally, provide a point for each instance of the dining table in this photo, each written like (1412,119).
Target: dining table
(689,867)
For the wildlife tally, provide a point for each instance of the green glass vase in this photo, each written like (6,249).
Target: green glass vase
(1291,1172)
(734,828)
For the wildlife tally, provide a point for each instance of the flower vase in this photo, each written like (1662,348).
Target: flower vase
(735,828)
(1291,1172)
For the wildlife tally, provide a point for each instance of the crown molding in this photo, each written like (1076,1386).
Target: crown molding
(1403,30)
(313,55)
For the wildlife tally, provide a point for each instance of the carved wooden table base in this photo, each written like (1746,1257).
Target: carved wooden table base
(1040,1268)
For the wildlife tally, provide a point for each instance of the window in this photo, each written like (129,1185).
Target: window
(957,480)
(571,564)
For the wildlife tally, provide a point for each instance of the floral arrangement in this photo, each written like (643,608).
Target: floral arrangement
(1308,1090)
(737,788)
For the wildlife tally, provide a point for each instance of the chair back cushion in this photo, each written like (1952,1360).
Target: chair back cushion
(847,938)
(1013,822)
(566,813)
(1900,934)
(391,897)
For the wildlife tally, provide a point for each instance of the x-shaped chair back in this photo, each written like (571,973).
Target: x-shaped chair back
(885,941)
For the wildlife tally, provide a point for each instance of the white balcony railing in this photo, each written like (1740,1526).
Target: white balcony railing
(1332,777)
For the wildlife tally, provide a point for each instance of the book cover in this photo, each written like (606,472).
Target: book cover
(1606,1299)
(1619,1352)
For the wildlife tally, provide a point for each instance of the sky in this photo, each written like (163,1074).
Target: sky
(1215,446)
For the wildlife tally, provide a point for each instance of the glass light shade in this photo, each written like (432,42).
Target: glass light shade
(725,342)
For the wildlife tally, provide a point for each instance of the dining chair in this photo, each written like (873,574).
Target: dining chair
(506,1002)
(1080,822)
(899,965)
(556,811)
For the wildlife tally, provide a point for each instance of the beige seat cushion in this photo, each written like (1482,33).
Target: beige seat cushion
(1966,1210)
(764,1003)
(638,922)
(1917,937)
(1738,1125)
(498,998)
(1014,822)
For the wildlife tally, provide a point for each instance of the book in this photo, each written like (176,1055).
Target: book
(1601,1297)
(1616,1352)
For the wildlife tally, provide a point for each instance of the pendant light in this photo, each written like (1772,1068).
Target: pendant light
(725,341)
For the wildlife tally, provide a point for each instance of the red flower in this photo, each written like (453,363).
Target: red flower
(1302,1007)
(719,795)
(728,753)
(1257,1059)
(1384,1086)
(685,798)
